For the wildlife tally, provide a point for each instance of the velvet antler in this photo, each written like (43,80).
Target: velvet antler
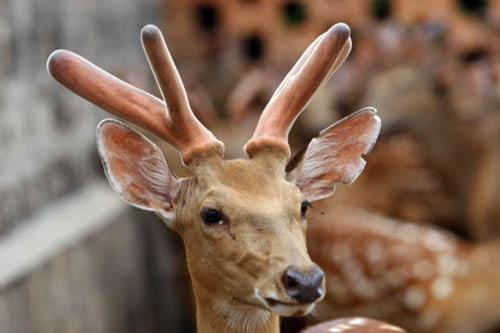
(316,65)
(174,122)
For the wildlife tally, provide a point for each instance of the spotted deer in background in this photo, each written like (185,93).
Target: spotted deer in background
(416,276)
(242,221)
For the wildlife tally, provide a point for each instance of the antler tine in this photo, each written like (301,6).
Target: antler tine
(316,65)
(108,92)
(165,72)
(188,134)
(179,127)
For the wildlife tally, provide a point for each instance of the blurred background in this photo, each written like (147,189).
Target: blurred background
(74,258)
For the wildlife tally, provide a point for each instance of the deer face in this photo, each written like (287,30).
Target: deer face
(245,225)
(242,221)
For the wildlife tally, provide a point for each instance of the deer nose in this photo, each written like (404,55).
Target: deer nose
(305,288)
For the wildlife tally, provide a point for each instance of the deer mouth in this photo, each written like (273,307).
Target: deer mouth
(272,302)
(285,308)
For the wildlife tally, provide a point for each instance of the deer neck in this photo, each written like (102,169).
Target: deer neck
(215,315)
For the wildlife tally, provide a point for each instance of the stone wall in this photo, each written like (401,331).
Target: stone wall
(124,278)
(47,140)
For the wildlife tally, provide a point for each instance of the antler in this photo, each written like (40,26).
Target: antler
(173,122)
(316,65)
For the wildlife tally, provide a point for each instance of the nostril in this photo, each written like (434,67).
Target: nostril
(289,279)
(303,287)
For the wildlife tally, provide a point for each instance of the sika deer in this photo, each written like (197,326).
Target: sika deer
(416,276)
(354,325)
(242,221)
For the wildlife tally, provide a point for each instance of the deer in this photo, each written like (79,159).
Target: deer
(242,221)
(354,325)
(419,277)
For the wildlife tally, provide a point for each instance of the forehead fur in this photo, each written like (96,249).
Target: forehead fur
(253,179)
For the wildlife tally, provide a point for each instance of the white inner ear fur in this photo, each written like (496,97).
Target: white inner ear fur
(148,183)
(156,172)
(335,156)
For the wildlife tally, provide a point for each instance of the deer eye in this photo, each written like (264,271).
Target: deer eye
(303,208)
(211,216)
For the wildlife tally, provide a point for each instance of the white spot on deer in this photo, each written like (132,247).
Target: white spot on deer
(414,298)
(441,288)
(408,230)
(428,320)
(423,269)
(387,327)
(344,327)
(341,253)
(357,321)
(335,330)
(375,252)
(447,265)
(366,290)
(436,242)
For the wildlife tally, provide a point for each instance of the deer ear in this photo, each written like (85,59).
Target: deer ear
(335,156)
(136,169)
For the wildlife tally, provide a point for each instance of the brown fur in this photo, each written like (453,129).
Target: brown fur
(236,265)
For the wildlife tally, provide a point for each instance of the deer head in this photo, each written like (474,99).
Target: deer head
(242,221)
